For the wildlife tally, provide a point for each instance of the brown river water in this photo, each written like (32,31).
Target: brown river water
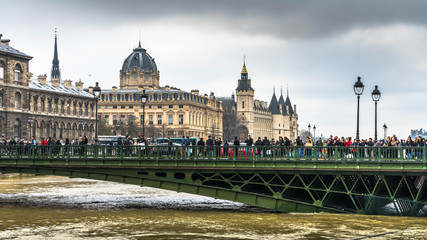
(63,208)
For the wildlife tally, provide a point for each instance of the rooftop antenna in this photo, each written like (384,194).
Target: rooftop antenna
(139,45)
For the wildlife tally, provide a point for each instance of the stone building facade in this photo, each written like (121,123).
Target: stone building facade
(38,107)
(172,111)
(259,118)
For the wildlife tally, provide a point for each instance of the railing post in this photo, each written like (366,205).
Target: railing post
(315,153)
(336,153)
(357,153)
(424,153)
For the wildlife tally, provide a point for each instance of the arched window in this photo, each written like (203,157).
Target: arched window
(17,73)
(17,100)
(1,99)
(243,104)
(17,128)
(1,69)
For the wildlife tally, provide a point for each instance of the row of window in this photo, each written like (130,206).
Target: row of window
(150,119)
(131,106)
(153,97)
(53,106)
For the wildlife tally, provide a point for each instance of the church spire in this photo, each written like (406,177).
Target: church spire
(56,73)
(244,71)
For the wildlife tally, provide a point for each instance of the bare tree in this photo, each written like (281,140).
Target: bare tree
(103,128)
(304,134)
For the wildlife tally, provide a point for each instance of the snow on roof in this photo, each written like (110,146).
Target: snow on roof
(35,84)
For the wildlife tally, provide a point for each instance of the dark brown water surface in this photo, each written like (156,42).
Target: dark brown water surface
(63,208)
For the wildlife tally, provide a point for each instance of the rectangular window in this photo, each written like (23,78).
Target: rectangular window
(122,119)
(170,106)
(159,106)
(142,120)
(122,107)
(150,106)
(114,119)
(181,106)
(107,119)
(131,107)
(170,133)
(107,107)
(1,97)
(180,119)
(170,119)
(114,107)
(159,119)
(150,119)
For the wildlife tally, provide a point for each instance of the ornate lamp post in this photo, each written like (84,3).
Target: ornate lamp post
(358,90)
(385,131)
(96,93)
(309,132)
(144,99)
(376,95)
(314,130)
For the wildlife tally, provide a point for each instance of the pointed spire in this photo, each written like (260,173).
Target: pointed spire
(287,90)
(244,71)
(56,73)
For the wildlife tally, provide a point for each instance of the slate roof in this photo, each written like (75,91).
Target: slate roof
(282,101)
(36,85)
(8,49)
(139,58)
(244,86)
(288,103)
(274,105)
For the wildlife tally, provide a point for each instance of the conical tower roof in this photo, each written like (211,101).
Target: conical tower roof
(274,105)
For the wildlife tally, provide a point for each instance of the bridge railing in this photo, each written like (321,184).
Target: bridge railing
(255,153)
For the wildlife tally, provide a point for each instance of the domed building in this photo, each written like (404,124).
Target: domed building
(169,111)
(139,70)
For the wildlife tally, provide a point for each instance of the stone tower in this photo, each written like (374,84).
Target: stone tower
(245,100)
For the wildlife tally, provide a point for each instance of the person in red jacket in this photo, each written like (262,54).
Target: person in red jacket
(43,144)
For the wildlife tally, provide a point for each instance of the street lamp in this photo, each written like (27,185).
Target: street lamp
(144,99)
(96,93)
(309,132)
(385,131)
(376,95)
(314,130)
(358,90)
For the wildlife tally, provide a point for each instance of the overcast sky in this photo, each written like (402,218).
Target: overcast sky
(318,47)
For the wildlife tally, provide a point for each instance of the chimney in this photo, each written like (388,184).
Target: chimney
(79,85)
(67,83)
(195,92)
(55,82)
(167,88)
(90,89)
(42,79)
(5,41)
(114,89)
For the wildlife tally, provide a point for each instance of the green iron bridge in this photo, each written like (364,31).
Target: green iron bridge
(363,180)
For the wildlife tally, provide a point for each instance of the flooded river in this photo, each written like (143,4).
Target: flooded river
(64,208)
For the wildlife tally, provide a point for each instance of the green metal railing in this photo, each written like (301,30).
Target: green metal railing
(255,153)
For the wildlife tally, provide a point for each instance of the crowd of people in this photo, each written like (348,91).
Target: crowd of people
(283,144)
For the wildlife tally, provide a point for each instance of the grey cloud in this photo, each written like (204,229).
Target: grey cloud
(288,19)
